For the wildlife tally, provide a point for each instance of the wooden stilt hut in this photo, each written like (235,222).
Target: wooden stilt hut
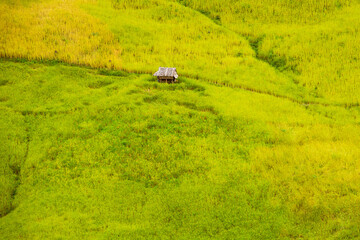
(168,75)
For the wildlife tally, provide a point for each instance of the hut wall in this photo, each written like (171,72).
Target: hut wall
(166,79)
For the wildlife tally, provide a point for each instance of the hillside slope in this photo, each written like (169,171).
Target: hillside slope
(258,140)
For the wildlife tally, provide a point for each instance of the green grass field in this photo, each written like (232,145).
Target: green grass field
(258,140)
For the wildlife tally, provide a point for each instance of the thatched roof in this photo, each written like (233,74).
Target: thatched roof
(166,72)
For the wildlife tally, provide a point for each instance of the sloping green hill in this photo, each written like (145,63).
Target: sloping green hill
(258,140)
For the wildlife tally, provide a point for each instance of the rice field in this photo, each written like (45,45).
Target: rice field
(258,140)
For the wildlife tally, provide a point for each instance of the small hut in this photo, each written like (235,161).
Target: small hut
(168,75)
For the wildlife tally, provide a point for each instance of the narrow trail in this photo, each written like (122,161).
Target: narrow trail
(294,100)
(43,113)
